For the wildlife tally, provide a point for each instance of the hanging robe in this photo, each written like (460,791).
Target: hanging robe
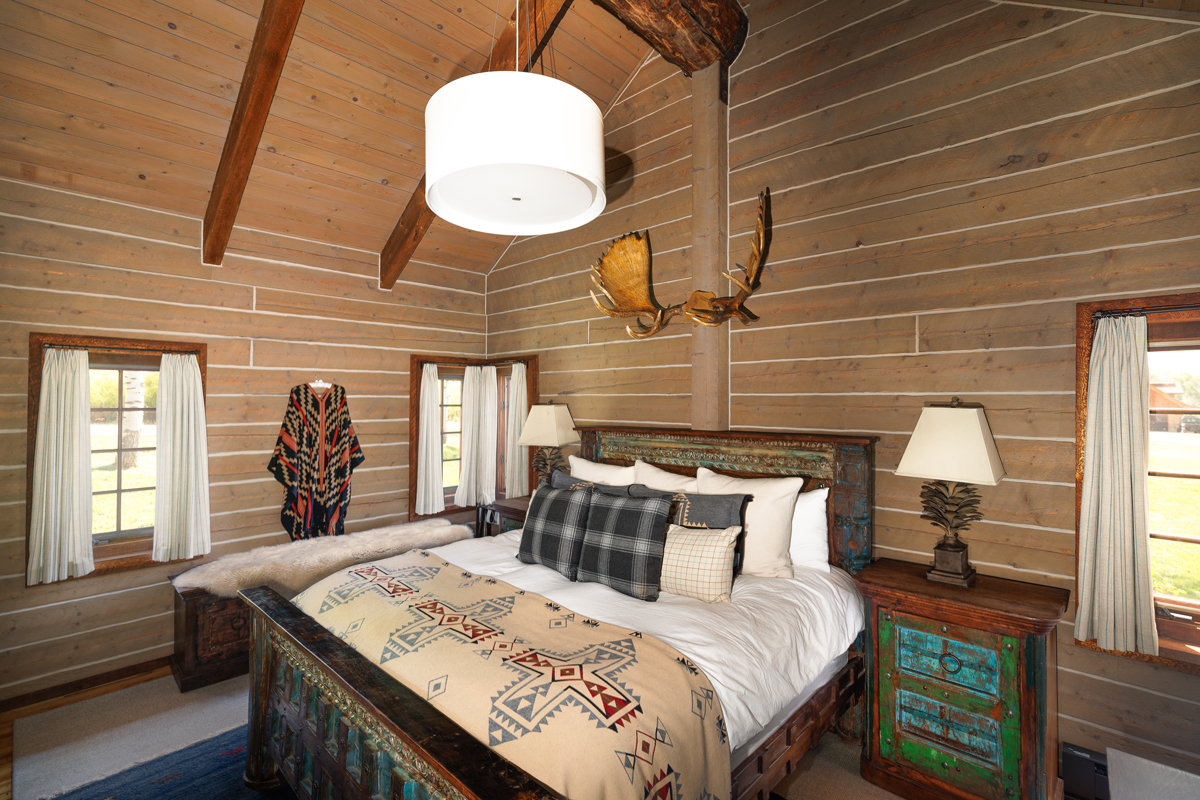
(314,457)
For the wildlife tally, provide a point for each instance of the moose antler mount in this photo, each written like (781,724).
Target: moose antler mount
(623,275)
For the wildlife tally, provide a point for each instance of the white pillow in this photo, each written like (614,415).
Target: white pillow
(655,478)
(768,519)
(610,474)
(810,530)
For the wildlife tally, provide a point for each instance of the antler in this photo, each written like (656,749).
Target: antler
(705,309)
(623,275)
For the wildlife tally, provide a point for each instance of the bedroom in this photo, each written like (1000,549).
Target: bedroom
(1020,159)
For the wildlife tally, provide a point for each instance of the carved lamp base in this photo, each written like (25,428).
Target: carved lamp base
(546,460)
(950,564)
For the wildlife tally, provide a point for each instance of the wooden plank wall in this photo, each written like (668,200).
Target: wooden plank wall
(949,179)
(537,294)
(281,311)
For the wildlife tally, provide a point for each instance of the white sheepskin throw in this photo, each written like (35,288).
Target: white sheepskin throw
(291,568)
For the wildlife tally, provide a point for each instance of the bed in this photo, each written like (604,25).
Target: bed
(332,724)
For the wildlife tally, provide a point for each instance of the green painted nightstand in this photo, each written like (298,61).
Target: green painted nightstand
(962,697)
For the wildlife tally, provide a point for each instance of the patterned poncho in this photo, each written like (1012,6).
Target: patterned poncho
(314,457)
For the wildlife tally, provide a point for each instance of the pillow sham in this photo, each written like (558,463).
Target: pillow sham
(611,474)
(561,480)
(768,519)
(656,478)
(810,530)
(554,528)
(623,544)
(698,562)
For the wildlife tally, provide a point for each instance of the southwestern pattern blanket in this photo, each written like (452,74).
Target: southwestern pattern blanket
(590,709)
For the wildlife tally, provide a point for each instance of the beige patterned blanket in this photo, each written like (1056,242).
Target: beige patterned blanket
(590,709)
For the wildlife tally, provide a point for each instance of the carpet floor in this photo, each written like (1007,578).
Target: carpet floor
(831,772)
(211,769)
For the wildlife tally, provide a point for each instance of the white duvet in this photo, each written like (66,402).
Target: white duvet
(759,650)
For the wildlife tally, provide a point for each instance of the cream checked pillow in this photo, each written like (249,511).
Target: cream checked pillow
(698,562)
(768,519)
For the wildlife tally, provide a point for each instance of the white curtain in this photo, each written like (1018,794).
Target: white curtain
(430,497)
(181,521)
(60,525)
(477,478)
(1116,598)
(516,459)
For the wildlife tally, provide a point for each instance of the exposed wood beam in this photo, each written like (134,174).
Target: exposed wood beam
(691,34)
(417,216)
(272,39)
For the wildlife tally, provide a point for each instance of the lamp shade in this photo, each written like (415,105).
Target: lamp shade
(952,444)
(514,153)
(548,426)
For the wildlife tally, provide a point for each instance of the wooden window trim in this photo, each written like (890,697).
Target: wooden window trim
(414,413)
(118,556)
(1164,325)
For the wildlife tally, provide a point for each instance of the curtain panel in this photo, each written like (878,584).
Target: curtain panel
(430,497)
(480,413)
(181,519)
(516,458)
(60,524)
(1116,597)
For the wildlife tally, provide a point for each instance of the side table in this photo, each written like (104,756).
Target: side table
(510,513)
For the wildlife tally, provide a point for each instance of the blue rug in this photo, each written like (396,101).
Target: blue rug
(208,770)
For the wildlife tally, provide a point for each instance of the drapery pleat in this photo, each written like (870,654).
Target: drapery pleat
(60,523)
(430,497)
(181,520)
(468,471)
(516,458)
(1116,597)
(477,478)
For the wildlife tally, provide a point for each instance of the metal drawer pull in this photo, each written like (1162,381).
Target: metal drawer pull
(945,765)
(950,663)
(945,694)
(943,629)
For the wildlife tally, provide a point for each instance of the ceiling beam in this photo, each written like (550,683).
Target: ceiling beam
(417,216)
(691,34)
(272,39)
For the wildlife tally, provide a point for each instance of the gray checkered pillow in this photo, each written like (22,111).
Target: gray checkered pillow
(698,562)
(554,529)
(623,546)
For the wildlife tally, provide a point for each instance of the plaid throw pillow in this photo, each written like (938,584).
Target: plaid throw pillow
(623,546)
(698,562)
(561,480)
(554,529)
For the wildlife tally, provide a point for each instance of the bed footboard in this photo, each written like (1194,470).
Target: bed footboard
(335,727)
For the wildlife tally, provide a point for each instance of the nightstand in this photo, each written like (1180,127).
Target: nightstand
(510,514)
(962,691)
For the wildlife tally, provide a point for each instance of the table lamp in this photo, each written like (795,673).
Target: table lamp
(548,427)
(952,447)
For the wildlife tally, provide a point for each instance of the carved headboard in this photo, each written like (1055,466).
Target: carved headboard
(846,464)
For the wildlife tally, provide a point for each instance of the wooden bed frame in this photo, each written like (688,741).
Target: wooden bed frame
(334,725)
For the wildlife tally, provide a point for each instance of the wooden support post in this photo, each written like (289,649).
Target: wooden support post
(710,242)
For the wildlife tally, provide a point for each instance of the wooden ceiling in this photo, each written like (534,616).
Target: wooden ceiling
(132,99)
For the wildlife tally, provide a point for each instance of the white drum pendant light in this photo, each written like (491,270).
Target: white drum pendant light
(514,153)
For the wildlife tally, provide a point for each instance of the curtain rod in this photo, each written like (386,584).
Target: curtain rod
(1142,312)
(106,348)
(489,364)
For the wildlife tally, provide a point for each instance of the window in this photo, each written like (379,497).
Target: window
(1173,468)
(123,383)
(123,451)
(450,379)
(451,395)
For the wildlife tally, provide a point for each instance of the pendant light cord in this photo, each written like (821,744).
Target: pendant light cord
(495,19)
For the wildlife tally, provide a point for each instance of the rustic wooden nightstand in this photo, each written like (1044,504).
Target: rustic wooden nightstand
(509,512)
(962,697)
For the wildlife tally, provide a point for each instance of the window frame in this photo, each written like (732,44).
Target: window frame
(1168,320)
(120,368)
(443,405)
(415,373)
(133,552)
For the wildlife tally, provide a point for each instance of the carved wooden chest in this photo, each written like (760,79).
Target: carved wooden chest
(212,638)
(962,698)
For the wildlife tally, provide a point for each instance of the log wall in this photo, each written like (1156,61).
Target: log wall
(281,311)
(949,178)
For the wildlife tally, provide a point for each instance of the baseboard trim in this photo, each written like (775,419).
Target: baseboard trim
(85,687)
